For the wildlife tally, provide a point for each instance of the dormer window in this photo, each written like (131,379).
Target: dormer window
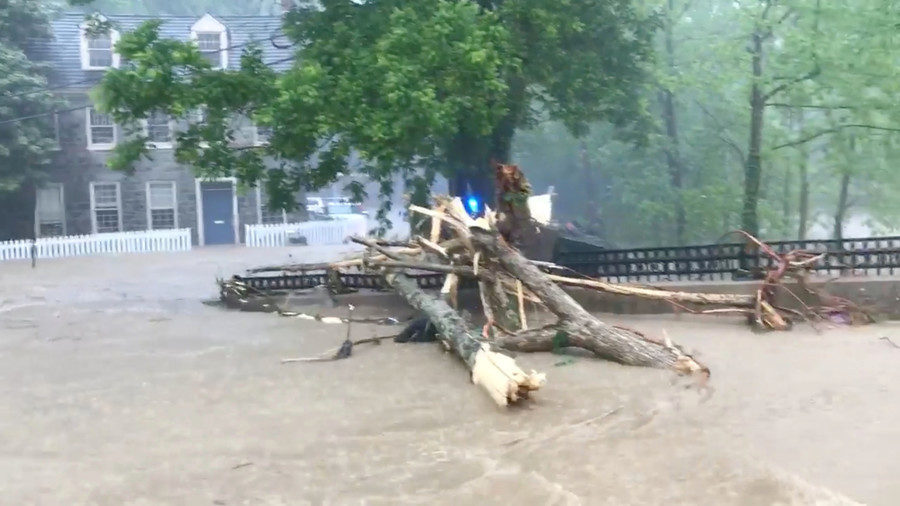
(97,48)
(212,40)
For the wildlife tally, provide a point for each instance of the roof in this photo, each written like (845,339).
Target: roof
(63,52)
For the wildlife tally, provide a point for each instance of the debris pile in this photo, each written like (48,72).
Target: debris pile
(478,251)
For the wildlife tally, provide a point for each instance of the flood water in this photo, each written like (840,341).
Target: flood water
(118,386)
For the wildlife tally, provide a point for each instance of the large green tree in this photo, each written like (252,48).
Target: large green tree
(415,87)
(27,136)
(826,74)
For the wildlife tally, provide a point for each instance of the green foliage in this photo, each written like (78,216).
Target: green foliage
(25,146)
(415,88)
(829,70)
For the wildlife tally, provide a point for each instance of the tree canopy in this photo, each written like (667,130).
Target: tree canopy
(416,88)
(826,78)
(26,145)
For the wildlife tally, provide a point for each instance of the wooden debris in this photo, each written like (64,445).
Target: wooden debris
(494,372)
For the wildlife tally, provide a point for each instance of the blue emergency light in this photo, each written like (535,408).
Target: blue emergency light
(473,204)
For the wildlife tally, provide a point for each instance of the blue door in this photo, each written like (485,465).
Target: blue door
(218,213)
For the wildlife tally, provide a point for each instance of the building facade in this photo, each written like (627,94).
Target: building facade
(84,196)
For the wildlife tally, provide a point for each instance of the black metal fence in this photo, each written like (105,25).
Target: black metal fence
(872,256)
(287,282)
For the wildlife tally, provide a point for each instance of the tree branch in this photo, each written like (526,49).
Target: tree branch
(811,106)
(832,130)
(721,128)
(781,87)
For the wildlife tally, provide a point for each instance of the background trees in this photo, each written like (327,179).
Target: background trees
(25,146)
(773,116)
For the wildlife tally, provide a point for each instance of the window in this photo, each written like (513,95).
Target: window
(100,50)
(158,128)
(212,40)
(50,211)
(267,217)
(97,49)
(106,207)
(263,134)
(210,47)
(162,212)
(101,130)
(199,116)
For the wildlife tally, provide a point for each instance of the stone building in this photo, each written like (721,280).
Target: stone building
(84,196)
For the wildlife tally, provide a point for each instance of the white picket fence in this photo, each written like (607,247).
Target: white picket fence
(147,241)
(317,233)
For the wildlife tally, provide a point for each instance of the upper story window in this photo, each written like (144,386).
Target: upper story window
(101,130)
(97,49)
(212,40)
(262,135)
(158,128)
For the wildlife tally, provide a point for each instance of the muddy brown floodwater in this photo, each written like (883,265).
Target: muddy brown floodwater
(118,386)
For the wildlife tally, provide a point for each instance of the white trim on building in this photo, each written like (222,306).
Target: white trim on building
(50,217)
(208,28)
(89,130)
(86,50)
(145,125)
(105,206)
(152,206)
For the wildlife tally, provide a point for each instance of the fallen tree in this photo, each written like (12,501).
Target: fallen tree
(496,373)
(479,249)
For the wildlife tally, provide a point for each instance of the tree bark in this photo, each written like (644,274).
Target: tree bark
(672,149)
(842,205)
(580,328)
(496,373)
(804,195)
(753,168)
(593,194)
(786,202)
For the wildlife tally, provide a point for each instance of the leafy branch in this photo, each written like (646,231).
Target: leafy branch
(832,130)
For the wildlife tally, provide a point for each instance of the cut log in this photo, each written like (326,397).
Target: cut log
(579,327)
(496,373)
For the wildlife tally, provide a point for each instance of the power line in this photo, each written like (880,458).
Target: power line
(96,79)
(70,109)
(40,115)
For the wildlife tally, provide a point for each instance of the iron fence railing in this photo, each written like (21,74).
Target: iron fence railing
(877,255)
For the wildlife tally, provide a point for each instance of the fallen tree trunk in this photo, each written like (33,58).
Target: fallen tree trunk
(496,373)
(724,299)
(579,328)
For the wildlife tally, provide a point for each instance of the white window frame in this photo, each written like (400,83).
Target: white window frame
(101,146)
(210,25)
(259,207)
(256,139)
(160,145)
(85,52)
(150,208)
(94,204)
(62,203)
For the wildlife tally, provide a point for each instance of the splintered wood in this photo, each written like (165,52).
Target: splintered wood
(501,377)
